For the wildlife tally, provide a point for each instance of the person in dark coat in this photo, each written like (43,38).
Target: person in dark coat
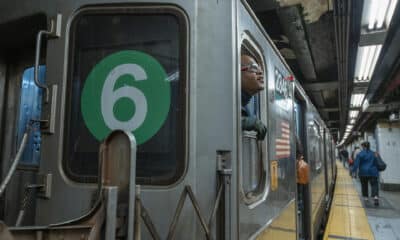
(365,163)
(344,155)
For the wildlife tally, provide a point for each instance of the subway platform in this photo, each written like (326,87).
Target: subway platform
(352,218)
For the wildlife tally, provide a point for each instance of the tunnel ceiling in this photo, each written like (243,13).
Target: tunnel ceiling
(303,31)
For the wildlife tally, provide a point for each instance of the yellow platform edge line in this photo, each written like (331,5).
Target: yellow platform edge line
(347,216)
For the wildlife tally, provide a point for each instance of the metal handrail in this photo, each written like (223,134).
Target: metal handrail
(37,59)
(55,31)
(16,161)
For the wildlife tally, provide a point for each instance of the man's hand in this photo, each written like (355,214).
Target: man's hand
(254,124)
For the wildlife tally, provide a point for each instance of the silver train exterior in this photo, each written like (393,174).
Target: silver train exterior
(200,176)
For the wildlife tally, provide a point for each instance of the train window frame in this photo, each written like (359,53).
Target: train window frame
(181,134)
(259,193)
(318,163)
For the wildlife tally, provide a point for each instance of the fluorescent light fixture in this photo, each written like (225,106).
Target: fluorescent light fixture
(372,14)
(375,57)
(390,12)
(380,13)
(380,17)
(360,63)
(365,105)
(353,114)
(352,121)
(367,56)
(356,99)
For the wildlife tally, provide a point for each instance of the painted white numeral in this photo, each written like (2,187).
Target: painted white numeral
(109,97)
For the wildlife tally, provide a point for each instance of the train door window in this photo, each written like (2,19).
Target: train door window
(29,111)
(299,121)
(128,70)
(253,108)
(318,155)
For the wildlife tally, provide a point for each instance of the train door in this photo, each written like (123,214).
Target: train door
(317,183)
(20,113)
(333,158)
(303,199)
(327,163)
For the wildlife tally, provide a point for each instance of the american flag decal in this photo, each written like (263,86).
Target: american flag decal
(282,143)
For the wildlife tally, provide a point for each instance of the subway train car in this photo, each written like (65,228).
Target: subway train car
(122,120)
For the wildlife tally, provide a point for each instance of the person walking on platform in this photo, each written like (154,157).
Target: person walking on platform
(354,154)
(344,155)
(368,172)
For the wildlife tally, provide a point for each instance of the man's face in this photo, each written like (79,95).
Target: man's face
(252,75)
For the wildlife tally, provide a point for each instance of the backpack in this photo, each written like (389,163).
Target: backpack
(380,164)
(303,172)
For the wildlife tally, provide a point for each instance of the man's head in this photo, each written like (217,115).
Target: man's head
(252,75)
(365,145)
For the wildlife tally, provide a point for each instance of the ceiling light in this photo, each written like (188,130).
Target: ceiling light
(365,105)
(368,61)
(380,16)
(372,14)
(390,12)
(367,56)
(380,13)
(374,59)
(353,114)
(352,121)
(356,99)
(360,63)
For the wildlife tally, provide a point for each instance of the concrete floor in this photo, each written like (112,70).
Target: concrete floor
(384,219)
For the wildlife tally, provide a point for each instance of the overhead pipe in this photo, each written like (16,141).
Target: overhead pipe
(336,30)
(342,27)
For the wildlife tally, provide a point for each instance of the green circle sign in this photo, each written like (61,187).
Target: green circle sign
(126,90)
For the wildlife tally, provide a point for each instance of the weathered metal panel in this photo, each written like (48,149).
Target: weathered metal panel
(388,146)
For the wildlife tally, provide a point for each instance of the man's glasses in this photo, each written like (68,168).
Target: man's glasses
(252,67)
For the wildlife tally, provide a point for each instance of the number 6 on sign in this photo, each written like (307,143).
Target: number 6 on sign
(109,97)
(126,90)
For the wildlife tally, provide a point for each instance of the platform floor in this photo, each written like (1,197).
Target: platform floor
(353,218)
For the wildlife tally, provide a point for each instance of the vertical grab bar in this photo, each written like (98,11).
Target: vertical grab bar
(118,169)
(55,31)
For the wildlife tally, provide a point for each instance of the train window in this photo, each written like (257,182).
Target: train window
(318,150)
(30,109)
(127,70)
(298,117)
(253,105)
